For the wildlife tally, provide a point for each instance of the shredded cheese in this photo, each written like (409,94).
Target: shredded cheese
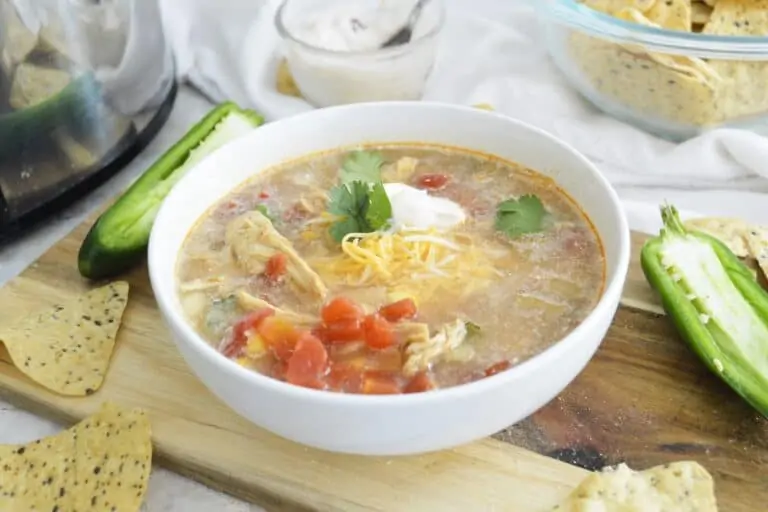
(417,264)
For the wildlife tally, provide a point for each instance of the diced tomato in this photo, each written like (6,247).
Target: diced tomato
(378,332)
(340,309)
(399,310)
(419,383)
(380,384)
(240,330)
(263,195)
(345,377)
(279,335)
(276,267)
(342,331)
(497,368)
(308,363)
(432,181)
(235,346)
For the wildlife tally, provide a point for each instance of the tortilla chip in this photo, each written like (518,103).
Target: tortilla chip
(67,348)
(102,463)
(677,486)
(757,243)
(738,18)
(700,13)
(614,6)
(671,14)
(655,84)
(732,232)
(285,83)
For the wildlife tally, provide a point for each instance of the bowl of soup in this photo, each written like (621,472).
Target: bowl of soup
(389,278)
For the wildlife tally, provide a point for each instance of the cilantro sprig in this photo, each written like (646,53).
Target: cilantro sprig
(362,166)
(360,200)
(516,217)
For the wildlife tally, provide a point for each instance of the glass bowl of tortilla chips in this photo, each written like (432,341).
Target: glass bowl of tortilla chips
(675,68)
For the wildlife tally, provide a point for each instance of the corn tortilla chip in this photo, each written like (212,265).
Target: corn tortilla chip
(677,486)
(671,14)
(729,90)
(614,6)
(67,348)
(636,79)
(102,463)
(732,232)
(738,18)
(700,13)
(757,242)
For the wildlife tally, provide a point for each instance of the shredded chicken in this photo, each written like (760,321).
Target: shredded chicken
(401,171)
(412,332)
(250,303)
(200,285)
(420,354)
(254,240)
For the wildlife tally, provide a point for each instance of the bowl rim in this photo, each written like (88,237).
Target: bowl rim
(188,336)
(576,15)
(433,32)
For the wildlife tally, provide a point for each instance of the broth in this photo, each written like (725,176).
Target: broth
(507,266)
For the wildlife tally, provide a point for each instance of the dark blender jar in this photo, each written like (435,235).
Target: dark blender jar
(84,86)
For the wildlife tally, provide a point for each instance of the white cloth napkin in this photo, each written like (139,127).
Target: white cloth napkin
(491,52)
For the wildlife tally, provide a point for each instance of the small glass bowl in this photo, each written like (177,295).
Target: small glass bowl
(328,77)
(673,84)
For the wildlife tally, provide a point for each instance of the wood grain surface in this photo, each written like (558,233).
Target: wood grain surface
(644,399)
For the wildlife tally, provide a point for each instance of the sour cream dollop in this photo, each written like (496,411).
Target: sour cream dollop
(413,208)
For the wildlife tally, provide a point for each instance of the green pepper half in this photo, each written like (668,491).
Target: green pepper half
(119,238)
(714,302)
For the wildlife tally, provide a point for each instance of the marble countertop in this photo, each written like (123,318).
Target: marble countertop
(167,491)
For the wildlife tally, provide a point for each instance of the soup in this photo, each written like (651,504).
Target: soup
(390,269)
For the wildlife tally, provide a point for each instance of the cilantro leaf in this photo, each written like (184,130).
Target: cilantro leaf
(343,227)
(363,208)
(362,166)
(341,201)
(379,209)
(264,211)
(515,217)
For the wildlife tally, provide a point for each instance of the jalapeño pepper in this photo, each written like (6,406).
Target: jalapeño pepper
(120,236)
(714,302)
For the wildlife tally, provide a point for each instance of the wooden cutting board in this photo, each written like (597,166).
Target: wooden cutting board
(644,399)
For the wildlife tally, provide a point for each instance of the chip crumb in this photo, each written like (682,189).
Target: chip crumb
(284,81)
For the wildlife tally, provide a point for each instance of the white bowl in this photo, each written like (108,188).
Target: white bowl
(400,424)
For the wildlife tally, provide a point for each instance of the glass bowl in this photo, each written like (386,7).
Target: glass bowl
(673,84)
(314,33)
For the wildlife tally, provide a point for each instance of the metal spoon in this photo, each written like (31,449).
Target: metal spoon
(404,35)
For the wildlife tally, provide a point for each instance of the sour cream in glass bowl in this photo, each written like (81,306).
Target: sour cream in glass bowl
(333,49)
